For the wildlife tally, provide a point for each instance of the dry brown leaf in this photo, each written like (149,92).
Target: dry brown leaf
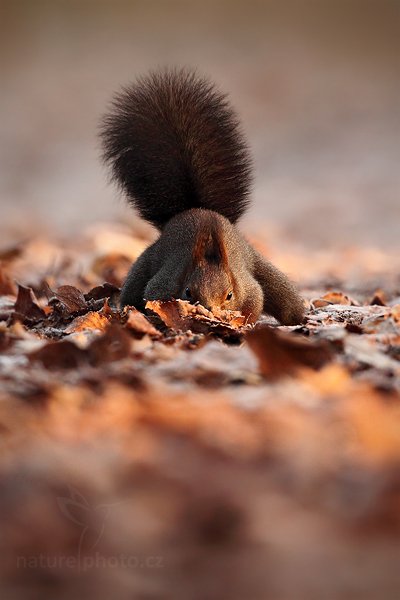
(107,290)
(333,298)
(379,298)
(114,344)
(181,315)
(59,355)
(138,323)
(26,307)
(233,318)
(280,353)
(92,320)
(67,300)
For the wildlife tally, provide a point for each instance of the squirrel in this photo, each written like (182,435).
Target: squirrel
(176,149)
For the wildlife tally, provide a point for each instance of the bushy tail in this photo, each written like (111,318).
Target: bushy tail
(174,143)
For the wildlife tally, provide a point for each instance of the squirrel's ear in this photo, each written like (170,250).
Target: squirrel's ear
(199,248)
(217,252)
(210,248)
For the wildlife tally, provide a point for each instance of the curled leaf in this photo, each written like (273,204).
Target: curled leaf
(183,316)
(26,307)
(333,298)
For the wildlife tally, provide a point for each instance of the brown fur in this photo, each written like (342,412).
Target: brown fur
(167,268)
(174,143)
(175,147)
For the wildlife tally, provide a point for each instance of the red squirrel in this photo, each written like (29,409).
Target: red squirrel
(176,149)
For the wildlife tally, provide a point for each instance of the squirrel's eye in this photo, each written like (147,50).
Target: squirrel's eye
(229,296)
(188,293)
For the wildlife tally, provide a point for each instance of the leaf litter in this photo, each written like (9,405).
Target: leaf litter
(274,447)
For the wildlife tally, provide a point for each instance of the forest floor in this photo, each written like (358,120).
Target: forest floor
(175,455)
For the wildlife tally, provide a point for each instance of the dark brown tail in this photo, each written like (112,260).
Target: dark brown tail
(174,143)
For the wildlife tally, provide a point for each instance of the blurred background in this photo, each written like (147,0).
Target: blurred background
(316,84)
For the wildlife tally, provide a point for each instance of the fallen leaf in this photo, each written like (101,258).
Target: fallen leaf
(138,323)
(183,316)
(67,300)
(107,310)
(280,353)
(26,307)
(378,298)
(107,290)
(59,355)
(114,344)
(332,298)
(92,320)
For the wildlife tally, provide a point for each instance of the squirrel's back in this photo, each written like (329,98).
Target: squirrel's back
(174,143)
